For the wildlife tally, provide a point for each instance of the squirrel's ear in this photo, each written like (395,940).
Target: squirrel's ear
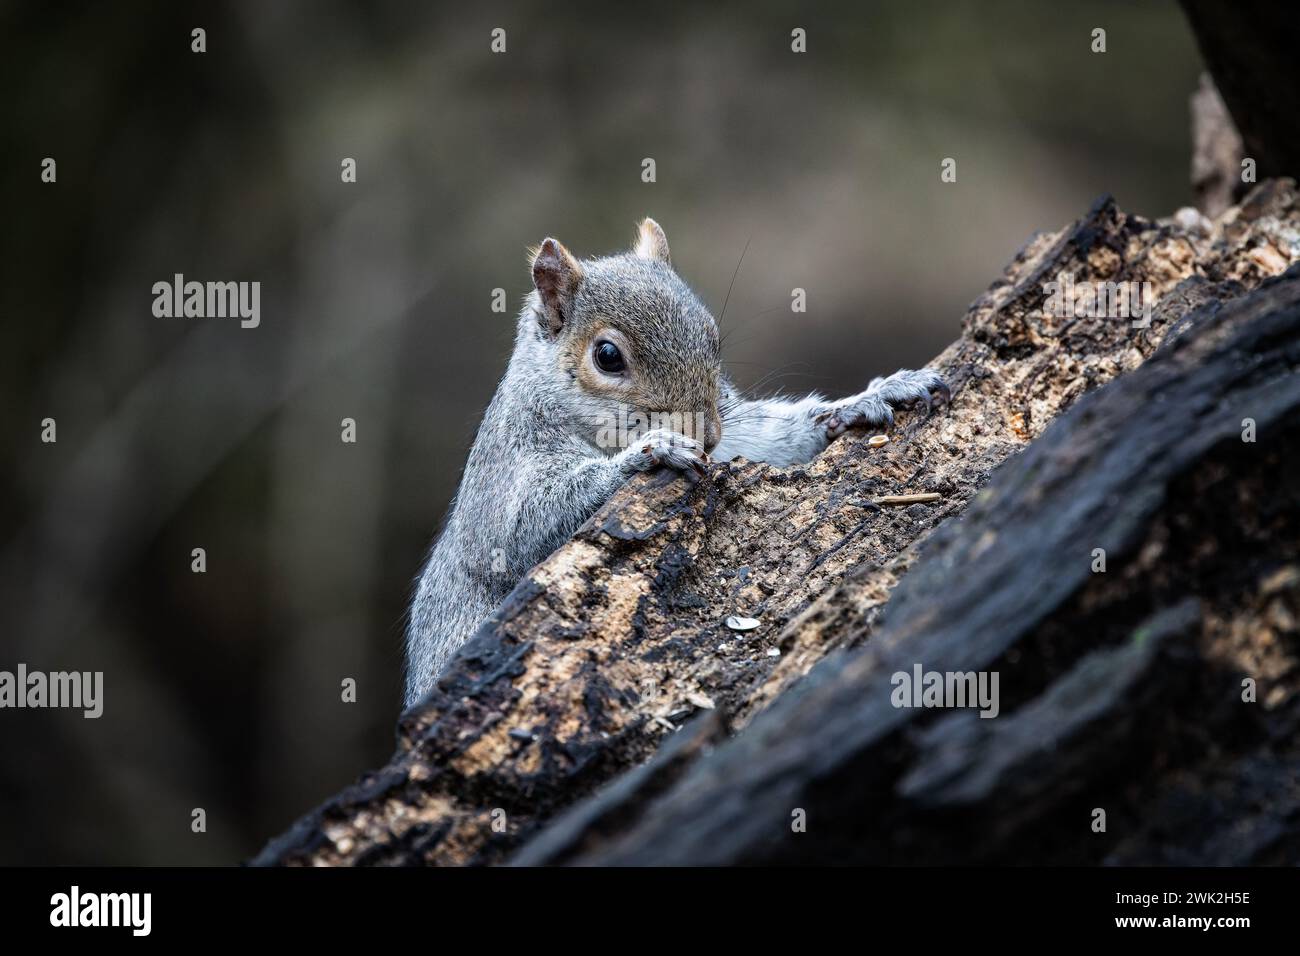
(556,275)
(651,243)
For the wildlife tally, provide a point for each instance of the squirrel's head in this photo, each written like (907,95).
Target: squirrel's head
(635,347)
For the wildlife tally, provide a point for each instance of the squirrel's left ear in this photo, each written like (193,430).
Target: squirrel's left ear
(651,243)
(556,275)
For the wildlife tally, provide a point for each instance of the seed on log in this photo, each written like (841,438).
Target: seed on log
(737,623)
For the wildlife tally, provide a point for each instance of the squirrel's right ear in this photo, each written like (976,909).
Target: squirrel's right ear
(556,275)
(651,243)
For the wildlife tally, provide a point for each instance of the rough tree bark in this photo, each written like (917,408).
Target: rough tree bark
(1122,690)
(607,647)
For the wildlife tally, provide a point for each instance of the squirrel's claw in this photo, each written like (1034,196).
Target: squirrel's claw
(662,447)
(874,408)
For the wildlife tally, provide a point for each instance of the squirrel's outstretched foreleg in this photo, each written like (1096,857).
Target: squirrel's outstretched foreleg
(785,432)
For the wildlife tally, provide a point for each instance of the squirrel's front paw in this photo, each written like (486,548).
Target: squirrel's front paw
(662,447)
(874,408)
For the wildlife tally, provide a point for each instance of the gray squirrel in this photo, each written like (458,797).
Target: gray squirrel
(606,351)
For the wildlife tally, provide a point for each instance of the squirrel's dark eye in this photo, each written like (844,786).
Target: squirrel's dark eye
(608,357)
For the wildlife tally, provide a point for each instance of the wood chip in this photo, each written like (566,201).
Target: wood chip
(702,701)
(918,499)
(1283,579)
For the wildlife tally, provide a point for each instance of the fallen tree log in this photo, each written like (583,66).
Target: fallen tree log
(1133,579)
(605,648)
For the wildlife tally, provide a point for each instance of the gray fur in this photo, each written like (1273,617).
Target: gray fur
(540,465)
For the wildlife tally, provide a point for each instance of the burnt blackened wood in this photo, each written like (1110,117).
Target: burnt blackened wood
(1119,691)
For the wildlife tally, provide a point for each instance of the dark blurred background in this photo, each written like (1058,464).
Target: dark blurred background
(223,689)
